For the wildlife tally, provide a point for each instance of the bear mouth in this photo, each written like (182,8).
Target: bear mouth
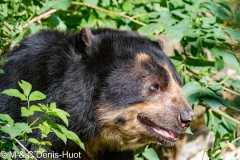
(160,132)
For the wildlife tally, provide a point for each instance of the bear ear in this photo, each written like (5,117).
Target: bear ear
(86,36)
(161,45)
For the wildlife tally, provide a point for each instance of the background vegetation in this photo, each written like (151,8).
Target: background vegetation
(206,29)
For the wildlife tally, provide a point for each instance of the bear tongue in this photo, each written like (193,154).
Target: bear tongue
(165,133)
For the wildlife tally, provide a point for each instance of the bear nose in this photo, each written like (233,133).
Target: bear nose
(186,117)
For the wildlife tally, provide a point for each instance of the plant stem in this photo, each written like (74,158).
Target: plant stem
(28,105)
(227,78)
(28,152)
(109,12)
(8,25)
(36,120)
(208,137)
(226,116)
(42,16)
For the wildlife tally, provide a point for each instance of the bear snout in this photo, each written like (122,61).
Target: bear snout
(185,118)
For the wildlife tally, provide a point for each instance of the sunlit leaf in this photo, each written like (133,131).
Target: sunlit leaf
(6,119)
(26,87)
(36,95)
(150,154)
(25,112)
(15,93)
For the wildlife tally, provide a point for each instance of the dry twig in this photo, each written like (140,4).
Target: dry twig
(42,16)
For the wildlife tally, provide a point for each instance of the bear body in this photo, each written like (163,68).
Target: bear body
(120,89)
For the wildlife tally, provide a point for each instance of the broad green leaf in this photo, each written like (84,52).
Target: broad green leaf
(45,128)
(209,20)
(35,108)
(26,87)
(218,11)
(236,85)
(174,33)
(157,7)
(195,92)
(179,12)
(33,140)
(71,135)
(36,95)
(177,3)
(25,112)
(222,130)
(43,107)
(91,22)
(189,131)
(45,8)
(92,2)
(212,102)
(228,57)
(1,71)
(62,116)
(6,119)
(191,88)
(150,154)
(60,135)
(56,23)
(229,124)
(231,59)
(138,151)
(106,2)
(150,29)
(53,106)
(226,5)
(209,40)
(194,61)
(219,64)
(238,73)
(224,145)
(23,127)
(15,93)
(60,113)
(46,143)
(197,44)
(219,34)
(60,4)
(33,28)
(166,18)
(177,31)
(107,23)
(127,6)
(228,104)
(13,131)
(233,33)
(212,121)
(138,158)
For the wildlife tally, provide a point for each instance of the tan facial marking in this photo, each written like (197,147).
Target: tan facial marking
(131,135)
(143,57)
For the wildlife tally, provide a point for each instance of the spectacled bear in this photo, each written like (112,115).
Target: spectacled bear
(119,87)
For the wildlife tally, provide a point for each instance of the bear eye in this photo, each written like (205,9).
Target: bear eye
(155,88)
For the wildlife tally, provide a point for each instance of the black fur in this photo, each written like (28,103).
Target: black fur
(79,71)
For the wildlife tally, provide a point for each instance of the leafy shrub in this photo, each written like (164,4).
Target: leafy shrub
(15,134)
(203,28)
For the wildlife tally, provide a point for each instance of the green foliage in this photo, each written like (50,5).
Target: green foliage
(1,64)
(203,28)
(148,153)
(39,117)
